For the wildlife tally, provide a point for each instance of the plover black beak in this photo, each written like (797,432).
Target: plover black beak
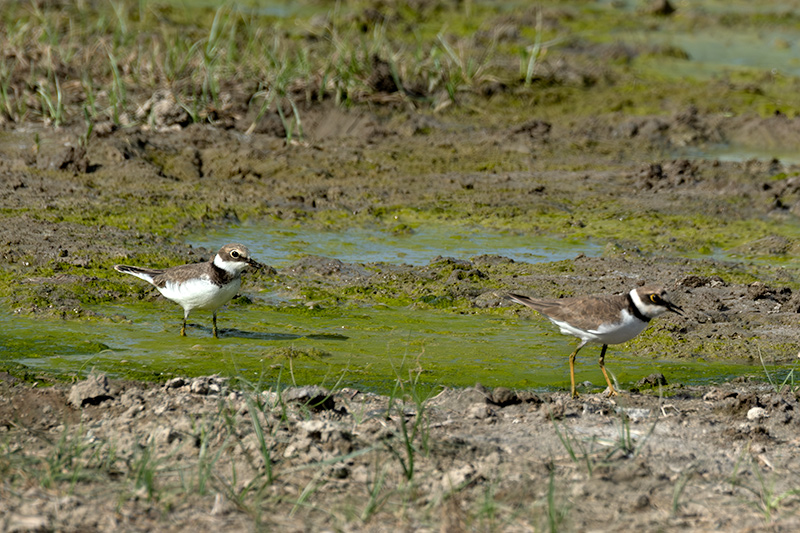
(255,264)
(674,308)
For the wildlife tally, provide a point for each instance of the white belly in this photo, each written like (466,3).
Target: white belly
(200,294)
(627,328)
(621,332)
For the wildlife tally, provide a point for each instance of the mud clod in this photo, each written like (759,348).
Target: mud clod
(94,391)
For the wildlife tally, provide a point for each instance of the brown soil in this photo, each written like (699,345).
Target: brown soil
(709,458)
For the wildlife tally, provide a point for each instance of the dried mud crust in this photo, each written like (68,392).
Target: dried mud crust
(718,457)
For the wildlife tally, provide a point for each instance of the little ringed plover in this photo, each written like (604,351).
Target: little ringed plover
(206,286)
(602,319)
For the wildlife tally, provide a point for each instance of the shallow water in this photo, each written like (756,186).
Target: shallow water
(739,153)
(279,244)
(718,50)
(366,348)
(721,50)
(369,348)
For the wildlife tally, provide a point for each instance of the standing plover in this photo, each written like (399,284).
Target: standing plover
(602,319)
(206,286)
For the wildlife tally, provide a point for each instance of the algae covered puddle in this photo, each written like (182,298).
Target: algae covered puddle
(278,244)
(368,348)
(365,348)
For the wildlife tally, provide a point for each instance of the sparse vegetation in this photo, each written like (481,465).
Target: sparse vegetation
(118,53)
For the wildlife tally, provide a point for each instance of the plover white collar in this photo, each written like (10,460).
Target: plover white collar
(206,286)
(602,319)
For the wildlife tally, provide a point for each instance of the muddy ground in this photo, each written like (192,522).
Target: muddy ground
(105,454)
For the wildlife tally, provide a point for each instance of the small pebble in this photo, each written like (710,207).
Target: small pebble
(757,413)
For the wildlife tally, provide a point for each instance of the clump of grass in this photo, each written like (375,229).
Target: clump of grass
(52,102)
(627,444)
(69,459)
(788,381)
(376,493)
(413,435)
(577,452)
(557,511)
(765,498)
(144,471)
(680,486)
